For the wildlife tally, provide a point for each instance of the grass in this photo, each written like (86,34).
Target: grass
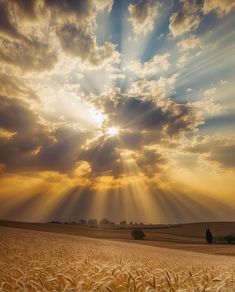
(40,261)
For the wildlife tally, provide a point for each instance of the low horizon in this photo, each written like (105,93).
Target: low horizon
(110,223)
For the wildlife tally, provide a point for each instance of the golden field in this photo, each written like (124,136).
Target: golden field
(43,261)
(188,236)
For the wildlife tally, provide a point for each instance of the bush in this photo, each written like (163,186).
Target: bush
(105,221)
(138,234)
(230,239)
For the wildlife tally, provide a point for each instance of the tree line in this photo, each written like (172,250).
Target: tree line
(94,222)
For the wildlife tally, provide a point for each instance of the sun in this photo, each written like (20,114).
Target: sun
(112,131)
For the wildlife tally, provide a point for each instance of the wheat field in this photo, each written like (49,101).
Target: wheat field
(40,261)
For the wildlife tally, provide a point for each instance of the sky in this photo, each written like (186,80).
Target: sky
(117,109)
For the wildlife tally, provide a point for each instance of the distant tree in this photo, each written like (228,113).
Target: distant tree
(104,221)
(123,222)
(82,222)
(138,234)
(209,236)
(92,222)
(131,223)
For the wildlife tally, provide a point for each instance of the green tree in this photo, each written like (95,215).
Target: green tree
(138,234)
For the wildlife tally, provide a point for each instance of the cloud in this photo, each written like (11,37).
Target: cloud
(147,123)
(6,25)
(26,26)
(160,116)
(190,47)
(18,151)
(103,157)
(104,5)
(79,42)
(11,86)
(183,60)
(153,89)
(77,8)
(22,46)
(219,149)
(190,43)
(151,161)
(158,64)
(185,18)
(76,30)
(207,104)
(34,146)
(82,168)
(221,8)
(142,15)
(61,152)
(26,8)
(32,55)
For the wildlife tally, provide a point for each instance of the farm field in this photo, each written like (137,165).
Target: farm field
(185,236)
(42,261)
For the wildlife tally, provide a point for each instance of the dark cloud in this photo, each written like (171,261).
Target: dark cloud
(6,26)
(165,117)
(32,146)
(103,156)
(151,161)
(79,8)
(216,149)
(27,8)
(63,151)
(78,41)
(144,126)
(17,152)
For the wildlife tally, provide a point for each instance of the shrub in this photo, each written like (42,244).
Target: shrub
(138,234)
(230,239)
(105,221)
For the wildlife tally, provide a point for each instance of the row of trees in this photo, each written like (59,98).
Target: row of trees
(104,221)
